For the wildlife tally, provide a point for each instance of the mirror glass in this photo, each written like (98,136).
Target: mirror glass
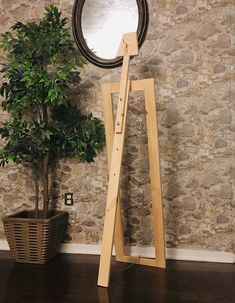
(104,22)
(98,27)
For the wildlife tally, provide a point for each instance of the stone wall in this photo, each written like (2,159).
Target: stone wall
(188,52)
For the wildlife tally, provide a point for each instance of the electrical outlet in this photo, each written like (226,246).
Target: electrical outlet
(68,199)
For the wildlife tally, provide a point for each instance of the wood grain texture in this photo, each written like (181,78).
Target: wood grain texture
(115,141)
(72,279)
(112,198)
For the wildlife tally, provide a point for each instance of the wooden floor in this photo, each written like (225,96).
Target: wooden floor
(72,278)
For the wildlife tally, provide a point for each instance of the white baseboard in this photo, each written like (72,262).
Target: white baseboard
(4,245)
(148,252)
(200,255)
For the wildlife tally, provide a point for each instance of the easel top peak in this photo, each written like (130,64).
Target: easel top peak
(128,45)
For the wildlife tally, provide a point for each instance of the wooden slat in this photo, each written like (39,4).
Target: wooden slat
(154,166)
(140,261)
(128,47)
(136,85)
(107,91)
(129,44)
(111,204)
(123,95)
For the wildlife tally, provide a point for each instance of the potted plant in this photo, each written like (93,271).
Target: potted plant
(42,66)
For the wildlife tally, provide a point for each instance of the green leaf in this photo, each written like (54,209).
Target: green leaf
(25,79)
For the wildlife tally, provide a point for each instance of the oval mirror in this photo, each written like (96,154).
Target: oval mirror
(98,27)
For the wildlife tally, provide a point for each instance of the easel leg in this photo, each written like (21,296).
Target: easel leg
(112,198)
(154,165)
(118,233)
(107,90)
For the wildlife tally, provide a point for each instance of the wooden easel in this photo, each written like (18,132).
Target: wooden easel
(115,135)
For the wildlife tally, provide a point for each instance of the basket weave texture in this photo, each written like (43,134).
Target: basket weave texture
(35,240)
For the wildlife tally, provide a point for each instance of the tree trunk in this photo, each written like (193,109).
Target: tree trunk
(45,185)
(52,181)
(36,192)
(45,169)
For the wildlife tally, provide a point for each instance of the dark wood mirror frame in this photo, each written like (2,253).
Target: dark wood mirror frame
(81,42)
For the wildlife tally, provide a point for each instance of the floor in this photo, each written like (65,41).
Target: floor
(72,278)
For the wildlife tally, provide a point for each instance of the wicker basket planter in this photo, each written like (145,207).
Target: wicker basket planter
(35,240)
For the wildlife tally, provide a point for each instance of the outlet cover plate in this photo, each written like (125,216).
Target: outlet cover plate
(68,199)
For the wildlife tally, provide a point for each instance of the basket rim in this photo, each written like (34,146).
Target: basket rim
(16,217)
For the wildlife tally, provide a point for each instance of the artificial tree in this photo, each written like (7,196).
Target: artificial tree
(42,66)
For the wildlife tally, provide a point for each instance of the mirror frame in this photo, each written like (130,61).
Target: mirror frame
(81,42)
